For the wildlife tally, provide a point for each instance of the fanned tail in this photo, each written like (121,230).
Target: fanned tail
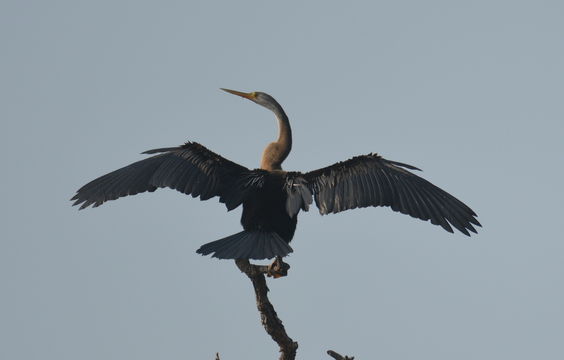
(254,244)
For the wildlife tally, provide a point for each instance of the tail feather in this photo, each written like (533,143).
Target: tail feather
(255,245)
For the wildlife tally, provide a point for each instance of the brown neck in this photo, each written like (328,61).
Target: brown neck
(276,152)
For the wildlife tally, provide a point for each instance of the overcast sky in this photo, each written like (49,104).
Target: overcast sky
(471,92)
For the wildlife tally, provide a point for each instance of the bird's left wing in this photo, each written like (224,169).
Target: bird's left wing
(191,169)
(371,180)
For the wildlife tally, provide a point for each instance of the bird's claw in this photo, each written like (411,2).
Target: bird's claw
(278,268)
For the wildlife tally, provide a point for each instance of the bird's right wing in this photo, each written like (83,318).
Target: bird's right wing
(191,169)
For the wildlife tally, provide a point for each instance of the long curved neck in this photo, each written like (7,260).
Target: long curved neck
(276,152)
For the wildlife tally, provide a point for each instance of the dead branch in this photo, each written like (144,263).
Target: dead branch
(333,354)
(269,319)
(337,356)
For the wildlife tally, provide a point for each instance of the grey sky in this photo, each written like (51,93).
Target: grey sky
(471,92)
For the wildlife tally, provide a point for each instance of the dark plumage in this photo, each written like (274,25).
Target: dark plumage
(271,197)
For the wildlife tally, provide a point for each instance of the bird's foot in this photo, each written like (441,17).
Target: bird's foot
(278,268)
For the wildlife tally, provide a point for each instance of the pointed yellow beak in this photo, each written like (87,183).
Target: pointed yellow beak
(249,96)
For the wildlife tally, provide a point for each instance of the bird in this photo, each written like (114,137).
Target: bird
(272,197)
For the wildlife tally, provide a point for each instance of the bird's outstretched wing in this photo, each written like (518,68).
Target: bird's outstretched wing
(190,168)
(371,180)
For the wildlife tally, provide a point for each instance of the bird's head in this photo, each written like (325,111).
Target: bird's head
(258,97)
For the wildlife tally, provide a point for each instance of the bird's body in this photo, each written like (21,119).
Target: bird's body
(265,208)
(271,197)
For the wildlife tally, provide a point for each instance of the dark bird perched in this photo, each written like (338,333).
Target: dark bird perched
(272,197)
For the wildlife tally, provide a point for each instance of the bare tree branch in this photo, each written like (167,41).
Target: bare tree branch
(333,354)
(272,324)
(269,319)
(337,356)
